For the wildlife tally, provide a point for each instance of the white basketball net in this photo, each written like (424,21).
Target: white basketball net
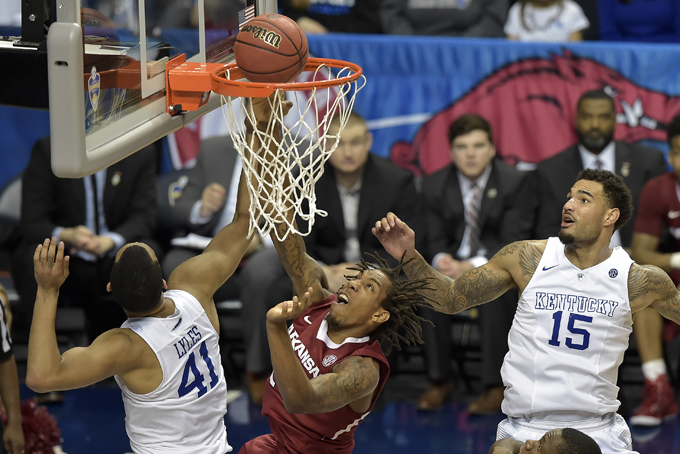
(299,156)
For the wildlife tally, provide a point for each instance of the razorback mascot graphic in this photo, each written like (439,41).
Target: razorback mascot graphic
(531,105)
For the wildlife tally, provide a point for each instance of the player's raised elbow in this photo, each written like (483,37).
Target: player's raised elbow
(37,381)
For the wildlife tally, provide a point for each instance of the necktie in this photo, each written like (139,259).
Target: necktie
(93,182)
(598,164)
(472,220)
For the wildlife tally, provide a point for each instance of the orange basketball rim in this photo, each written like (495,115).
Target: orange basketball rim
(189,84)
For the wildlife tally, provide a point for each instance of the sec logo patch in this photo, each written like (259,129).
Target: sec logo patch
(328,360)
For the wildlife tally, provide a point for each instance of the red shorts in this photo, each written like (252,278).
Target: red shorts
(264,444)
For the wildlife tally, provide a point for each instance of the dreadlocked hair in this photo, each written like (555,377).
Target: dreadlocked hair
(402,300)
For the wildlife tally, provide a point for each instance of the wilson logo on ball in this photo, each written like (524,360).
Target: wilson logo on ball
(269,37)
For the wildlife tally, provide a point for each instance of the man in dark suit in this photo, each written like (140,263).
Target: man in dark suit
(124,199)
(207,204)
(595,123)
(356,188)
(474,207)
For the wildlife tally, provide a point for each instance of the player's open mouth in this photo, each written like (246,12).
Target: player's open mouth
(342,298)
(567,221)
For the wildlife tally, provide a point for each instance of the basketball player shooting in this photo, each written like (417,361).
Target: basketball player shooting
(328,365)
(165,357)
(574,315)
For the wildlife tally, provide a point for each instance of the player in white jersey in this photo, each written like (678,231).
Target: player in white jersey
(166,356)
(577,297)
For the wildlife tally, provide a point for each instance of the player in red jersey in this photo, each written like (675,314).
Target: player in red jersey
(328,365)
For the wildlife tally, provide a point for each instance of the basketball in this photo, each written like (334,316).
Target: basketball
(271,48)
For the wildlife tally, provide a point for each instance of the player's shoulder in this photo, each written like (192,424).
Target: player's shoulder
(523,247)
(119,343)
(645,280)
(640,274)
(357,364)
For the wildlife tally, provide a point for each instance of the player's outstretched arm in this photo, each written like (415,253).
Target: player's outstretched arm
(303,270)
(649,285)
(351,379)
(204,274)
(49,370)
(477,286)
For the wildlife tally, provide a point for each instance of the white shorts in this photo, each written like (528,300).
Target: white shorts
(610,431)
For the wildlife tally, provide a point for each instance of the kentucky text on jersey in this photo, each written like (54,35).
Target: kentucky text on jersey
(574,303)
(187,341)
(302,352)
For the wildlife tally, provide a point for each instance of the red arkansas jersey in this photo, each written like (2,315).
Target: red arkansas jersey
(659,207)
(331,432)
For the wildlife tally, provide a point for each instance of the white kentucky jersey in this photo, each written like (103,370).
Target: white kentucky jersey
(185,414)
(568,338)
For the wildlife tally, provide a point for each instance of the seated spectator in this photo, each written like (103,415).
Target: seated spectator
(474,207)
(546,20)
(471,18)
(95,216)
(659,208)
(640,20)
(333,16)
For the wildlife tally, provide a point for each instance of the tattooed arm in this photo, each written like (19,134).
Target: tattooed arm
(352,382)
(303,270)
(511,267)
(649,285)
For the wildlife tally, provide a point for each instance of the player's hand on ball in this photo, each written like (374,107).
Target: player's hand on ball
(50,265)
(263,107)
(289,310)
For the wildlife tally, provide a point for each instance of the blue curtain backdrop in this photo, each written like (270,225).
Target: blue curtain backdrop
(528,91)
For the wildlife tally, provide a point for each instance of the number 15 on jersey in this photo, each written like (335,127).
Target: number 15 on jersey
(581,337)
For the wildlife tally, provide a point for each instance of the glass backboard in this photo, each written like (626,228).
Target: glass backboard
(106,71)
